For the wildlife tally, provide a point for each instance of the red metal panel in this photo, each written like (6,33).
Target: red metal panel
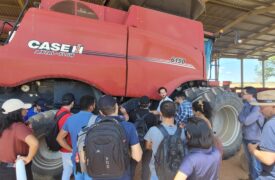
(163,50)
(151,63)
(178,28)
(105,71)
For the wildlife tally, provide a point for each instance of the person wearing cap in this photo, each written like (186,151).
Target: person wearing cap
(150,120)
(16,139)
(265,150)
(203,160)
(72,127)
(108,106)
(68,101)
(38,106)
(252,121)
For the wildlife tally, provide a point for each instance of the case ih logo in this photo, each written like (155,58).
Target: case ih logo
(57,49)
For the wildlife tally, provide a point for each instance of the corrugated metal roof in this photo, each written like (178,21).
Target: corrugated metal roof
(252,21)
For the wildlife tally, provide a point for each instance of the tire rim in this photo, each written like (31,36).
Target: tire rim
(226,125)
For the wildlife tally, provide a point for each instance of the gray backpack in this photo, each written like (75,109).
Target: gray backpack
(81,142)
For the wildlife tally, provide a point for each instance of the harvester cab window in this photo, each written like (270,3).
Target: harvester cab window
(66,7)
(74,8)
(84,11)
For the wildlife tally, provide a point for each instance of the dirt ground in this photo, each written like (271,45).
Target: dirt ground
(231,168)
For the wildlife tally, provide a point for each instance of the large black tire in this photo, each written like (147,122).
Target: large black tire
(226,107)
(46,164)
(225,122)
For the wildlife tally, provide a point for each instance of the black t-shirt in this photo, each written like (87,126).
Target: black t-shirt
(150,119)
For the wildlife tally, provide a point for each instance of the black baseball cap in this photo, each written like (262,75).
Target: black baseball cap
(42,103)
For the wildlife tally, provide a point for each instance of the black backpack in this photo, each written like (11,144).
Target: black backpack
(169,155)
(53,132)
(106,149)
(142,128)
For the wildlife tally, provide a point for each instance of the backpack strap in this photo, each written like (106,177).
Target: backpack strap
(178,131)
(141,117)
(257,122)
(92,120)
(163,130)
(138,116)
(58,117)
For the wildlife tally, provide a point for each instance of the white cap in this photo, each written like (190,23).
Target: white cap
(13,105)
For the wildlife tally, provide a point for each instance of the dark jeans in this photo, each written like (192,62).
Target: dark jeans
(145,170)
(9,173)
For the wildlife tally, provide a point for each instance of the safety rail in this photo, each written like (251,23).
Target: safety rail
(17,22)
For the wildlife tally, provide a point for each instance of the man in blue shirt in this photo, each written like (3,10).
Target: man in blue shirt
(73,126)
(252,122)
(108,106)
(265,151)
(38,106)
(184,110)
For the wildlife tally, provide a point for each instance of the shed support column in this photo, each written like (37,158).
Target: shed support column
(242,73)
(217,69)
(263,72)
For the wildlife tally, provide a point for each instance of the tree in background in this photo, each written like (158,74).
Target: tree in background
(269,69)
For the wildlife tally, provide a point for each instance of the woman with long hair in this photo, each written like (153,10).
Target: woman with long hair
(203,110)
(16,139)
(203,159)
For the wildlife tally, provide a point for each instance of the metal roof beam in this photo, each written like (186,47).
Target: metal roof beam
(260,48)
(259,2)
(21,3)
(243,17)
(228,5)
(253,36)
(264,40)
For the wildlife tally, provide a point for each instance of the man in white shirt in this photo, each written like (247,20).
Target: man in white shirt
(163,94)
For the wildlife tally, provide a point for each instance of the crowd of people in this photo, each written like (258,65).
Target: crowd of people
(175,141)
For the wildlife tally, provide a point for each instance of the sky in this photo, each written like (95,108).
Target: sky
(230,70)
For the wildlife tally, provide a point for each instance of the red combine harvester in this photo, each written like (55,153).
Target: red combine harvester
(78,47)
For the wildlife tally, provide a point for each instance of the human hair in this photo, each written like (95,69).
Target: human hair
(67,99)
(86,101)
(180,95)
(251,90)
(199,134)
(107,105)
(144,102)
(6,120)
(159,89)
(168,109)
(203,107)
(108,110)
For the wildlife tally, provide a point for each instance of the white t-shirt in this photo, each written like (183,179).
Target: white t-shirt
(165,99)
